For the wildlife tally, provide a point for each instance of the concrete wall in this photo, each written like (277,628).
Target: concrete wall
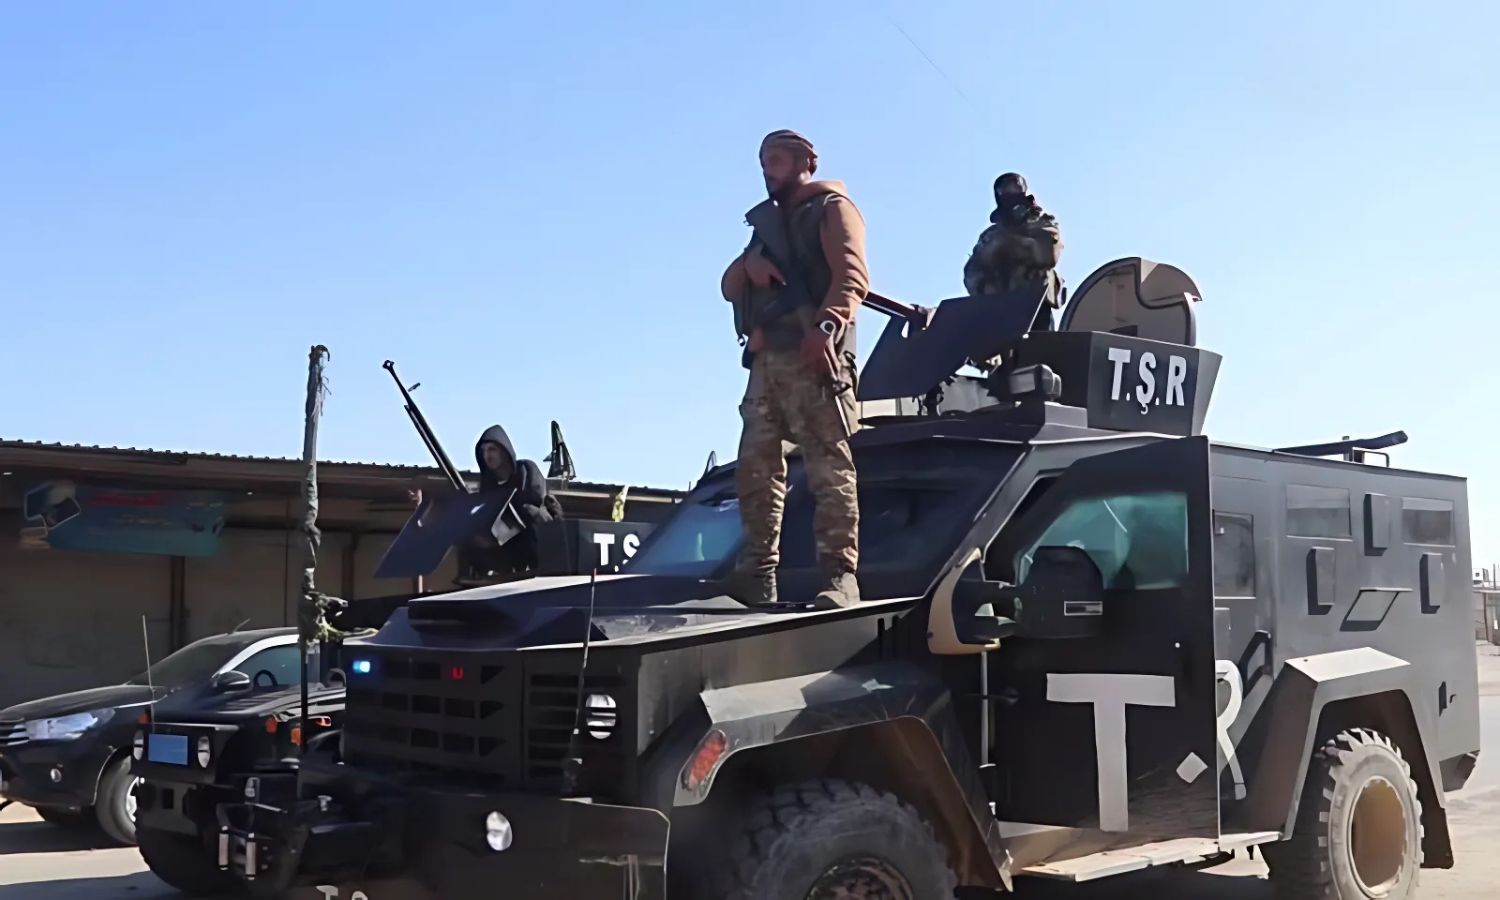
(70,621)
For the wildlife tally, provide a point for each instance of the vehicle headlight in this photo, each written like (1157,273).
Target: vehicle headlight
(67,728)
(205,751)
(138,745)
(498,832)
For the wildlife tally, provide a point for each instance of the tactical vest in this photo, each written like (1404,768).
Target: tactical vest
(794,242)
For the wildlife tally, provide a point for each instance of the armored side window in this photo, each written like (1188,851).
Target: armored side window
(1318,512)
(1138,541)
(1234,555)
(1427,522)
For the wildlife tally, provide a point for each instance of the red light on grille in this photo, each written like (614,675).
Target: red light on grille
(456,673)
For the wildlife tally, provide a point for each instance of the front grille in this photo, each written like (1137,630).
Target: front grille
(413,712)
(484,724)
(551,709)
(12,733)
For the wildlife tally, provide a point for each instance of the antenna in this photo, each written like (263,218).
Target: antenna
(150,684)
(235,629)
(573,765)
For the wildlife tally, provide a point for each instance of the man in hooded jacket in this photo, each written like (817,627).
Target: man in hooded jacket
(500,470)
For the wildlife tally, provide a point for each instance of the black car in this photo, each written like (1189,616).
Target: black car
(69,756)
(201,753)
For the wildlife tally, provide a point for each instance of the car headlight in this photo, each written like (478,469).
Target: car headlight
(67,728)
(205,751)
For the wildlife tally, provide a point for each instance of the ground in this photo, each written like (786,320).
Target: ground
(42,862)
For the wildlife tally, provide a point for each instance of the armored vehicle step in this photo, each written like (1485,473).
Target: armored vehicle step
(1132,859)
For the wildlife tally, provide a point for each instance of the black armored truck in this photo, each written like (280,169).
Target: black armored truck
(1092,641)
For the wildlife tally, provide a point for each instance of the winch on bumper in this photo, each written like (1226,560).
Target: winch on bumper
(445,844)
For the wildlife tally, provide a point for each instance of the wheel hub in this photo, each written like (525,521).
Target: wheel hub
(1377,837)
(866,878)
(131,803)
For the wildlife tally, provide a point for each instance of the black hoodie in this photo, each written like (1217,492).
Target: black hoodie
(532,502)
(526,478)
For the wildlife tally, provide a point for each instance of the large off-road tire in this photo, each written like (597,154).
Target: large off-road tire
(184,863)
(1358,834)
(115,805)
(835,840)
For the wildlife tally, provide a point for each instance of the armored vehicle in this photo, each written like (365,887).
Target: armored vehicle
(1092,641)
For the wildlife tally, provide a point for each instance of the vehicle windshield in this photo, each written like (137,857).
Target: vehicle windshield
(196,662)
(914,502)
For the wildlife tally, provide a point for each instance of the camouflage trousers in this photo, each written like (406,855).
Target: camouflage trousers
(784,402)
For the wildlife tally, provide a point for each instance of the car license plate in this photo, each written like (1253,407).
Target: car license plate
(171,749)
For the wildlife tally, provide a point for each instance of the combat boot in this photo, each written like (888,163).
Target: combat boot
(841,592)
(750,587)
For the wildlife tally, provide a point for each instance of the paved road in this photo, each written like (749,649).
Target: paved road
(41,862)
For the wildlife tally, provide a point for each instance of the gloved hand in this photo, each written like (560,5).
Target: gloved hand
(761,271)
(818,353)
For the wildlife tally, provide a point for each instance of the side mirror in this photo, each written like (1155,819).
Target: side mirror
(1062,596)
(231,681)
(989,602)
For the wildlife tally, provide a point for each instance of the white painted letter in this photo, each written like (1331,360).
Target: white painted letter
(1229,673)
(1147,388)
(1110,694)
(327,891)
(605,541)
(631,543)
(1119,356)
(1176,375)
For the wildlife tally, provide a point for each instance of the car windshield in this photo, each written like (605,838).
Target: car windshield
(914,503)
(195,662)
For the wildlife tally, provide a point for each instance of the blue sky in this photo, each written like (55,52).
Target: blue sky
(529,206)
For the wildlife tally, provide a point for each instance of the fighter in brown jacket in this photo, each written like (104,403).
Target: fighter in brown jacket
(797,287)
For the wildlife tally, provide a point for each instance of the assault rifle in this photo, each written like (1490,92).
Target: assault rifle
(793,297)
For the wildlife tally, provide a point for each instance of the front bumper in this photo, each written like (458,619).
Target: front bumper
(432,844)
(26,772)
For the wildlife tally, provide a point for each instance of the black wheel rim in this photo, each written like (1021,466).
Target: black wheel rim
(865,878)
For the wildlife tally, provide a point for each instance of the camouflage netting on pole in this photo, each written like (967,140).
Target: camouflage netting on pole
(313,610)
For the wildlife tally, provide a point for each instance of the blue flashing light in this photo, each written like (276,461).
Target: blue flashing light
(362,667)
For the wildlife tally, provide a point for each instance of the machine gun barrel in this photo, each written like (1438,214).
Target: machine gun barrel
(429,437)
(920,316)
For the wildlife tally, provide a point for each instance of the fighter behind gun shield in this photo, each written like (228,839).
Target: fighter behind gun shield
(1021,245)
(796,289)
(531,504)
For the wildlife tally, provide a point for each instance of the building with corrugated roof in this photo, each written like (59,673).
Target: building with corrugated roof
(94,538)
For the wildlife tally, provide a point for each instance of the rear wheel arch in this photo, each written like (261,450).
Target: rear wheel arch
(1390,713)
(899,756)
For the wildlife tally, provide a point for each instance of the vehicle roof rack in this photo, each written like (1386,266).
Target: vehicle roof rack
(1351,449)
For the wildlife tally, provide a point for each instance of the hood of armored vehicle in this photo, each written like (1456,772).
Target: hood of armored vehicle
(562,610)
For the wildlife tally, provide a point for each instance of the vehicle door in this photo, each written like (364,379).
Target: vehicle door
(1113,726)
